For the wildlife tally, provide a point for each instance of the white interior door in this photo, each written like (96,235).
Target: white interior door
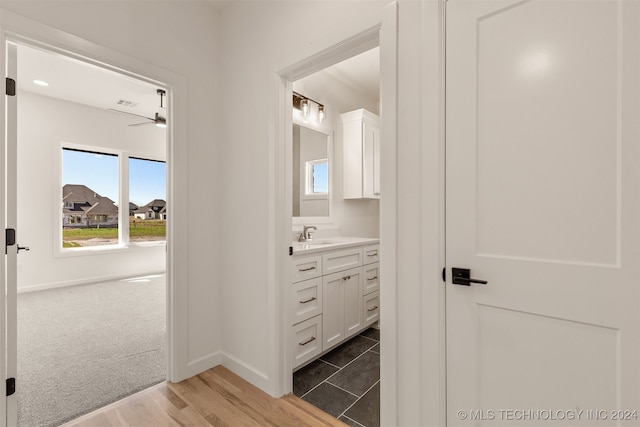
(11,222)
(543,203)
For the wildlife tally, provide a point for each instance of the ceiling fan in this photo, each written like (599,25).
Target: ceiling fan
(158,120)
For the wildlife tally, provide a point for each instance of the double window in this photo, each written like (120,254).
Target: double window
(96,185)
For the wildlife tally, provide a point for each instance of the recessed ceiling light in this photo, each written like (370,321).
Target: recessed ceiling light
(41,83)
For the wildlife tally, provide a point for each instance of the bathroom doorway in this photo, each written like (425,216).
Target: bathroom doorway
(343,381)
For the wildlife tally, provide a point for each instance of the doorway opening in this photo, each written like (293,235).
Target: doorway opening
(343,381)
(90,306)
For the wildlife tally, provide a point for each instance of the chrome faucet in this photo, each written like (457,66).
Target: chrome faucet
(305,236)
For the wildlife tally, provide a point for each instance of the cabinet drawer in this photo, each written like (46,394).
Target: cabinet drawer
(306,299)
(371,254)
(341,260)
(307,268)
(371,279)
(307,340)
(371,308)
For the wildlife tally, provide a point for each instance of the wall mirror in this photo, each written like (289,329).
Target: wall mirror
(311,171)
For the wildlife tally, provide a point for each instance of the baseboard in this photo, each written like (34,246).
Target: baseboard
(246,372)
(85,281)
(203,363)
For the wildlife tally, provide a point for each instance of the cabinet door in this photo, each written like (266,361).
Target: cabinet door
(332,309)
(306,299)
(335,261)
(371,279)
(371,160)
(371,309)
(352,301)
(371,254)
(306,267)
(306,342)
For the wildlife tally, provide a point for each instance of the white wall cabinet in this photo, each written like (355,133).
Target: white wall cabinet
(334,295)
(361,154)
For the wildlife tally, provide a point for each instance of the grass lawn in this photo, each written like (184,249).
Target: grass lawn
(137,230)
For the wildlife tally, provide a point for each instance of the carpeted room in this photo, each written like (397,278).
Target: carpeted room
(83,347)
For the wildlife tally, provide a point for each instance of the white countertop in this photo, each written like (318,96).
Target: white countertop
(330,243)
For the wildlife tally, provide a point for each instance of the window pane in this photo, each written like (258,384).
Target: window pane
(89,198)
(320,177)
(147,195)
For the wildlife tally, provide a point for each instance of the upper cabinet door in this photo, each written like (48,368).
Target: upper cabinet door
(361,155)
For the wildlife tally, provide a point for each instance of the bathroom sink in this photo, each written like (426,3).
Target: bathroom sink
(318,242)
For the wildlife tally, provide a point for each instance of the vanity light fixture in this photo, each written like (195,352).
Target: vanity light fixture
(303,104)
(304,107)
(321,113)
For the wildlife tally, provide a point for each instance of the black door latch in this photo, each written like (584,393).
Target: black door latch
(462,276)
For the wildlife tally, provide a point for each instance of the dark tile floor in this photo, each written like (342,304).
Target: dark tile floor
(346,381)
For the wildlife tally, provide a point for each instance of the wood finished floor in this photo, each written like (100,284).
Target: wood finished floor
(216,397)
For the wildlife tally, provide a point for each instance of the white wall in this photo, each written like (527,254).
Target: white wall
(43,123)
(182,38)
(258,36)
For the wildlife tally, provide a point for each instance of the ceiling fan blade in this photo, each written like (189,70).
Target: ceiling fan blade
(131,114)
(142,124)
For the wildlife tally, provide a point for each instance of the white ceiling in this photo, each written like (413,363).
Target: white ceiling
(361,72)
(83,83)
(76,81)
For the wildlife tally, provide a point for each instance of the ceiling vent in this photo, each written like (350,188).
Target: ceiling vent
(125,103)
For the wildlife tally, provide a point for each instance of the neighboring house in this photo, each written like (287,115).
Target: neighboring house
(133,208)
(83,207)
(155,209)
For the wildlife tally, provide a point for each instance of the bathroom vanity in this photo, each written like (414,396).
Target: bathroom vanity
(334,294)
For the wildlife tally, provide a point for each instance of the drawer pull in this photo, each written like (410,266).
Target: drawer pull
(307,341)
(373,308)
(372,278)
(372,254)
(306,269)
(346,278)
(308,300)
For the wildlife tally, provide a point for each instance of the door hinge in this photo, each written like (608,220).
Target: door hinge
(444,274)
(11,386)
(11,86)
(290,250)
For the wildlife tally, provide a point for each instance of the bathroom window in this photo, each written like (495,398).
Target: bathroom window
(317,178)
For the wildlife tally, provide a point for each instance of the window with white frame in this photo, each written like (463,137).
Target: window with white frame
(317,179)
(91,199)
(147,200)
(90,193)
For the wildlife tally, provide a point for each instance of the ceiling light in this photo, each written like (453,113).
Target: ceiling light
(41,83)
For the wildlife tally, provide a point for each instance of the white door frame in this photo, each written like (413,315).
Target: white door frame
(16,28)
(362,35)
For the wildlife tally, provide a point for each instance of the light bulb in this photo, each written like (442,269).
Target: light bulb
(304,107)
(321,113)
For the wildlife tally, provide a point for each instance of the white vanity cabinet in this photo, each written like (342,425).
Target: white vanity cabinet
(361,154)
(342,292)
(334,295)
